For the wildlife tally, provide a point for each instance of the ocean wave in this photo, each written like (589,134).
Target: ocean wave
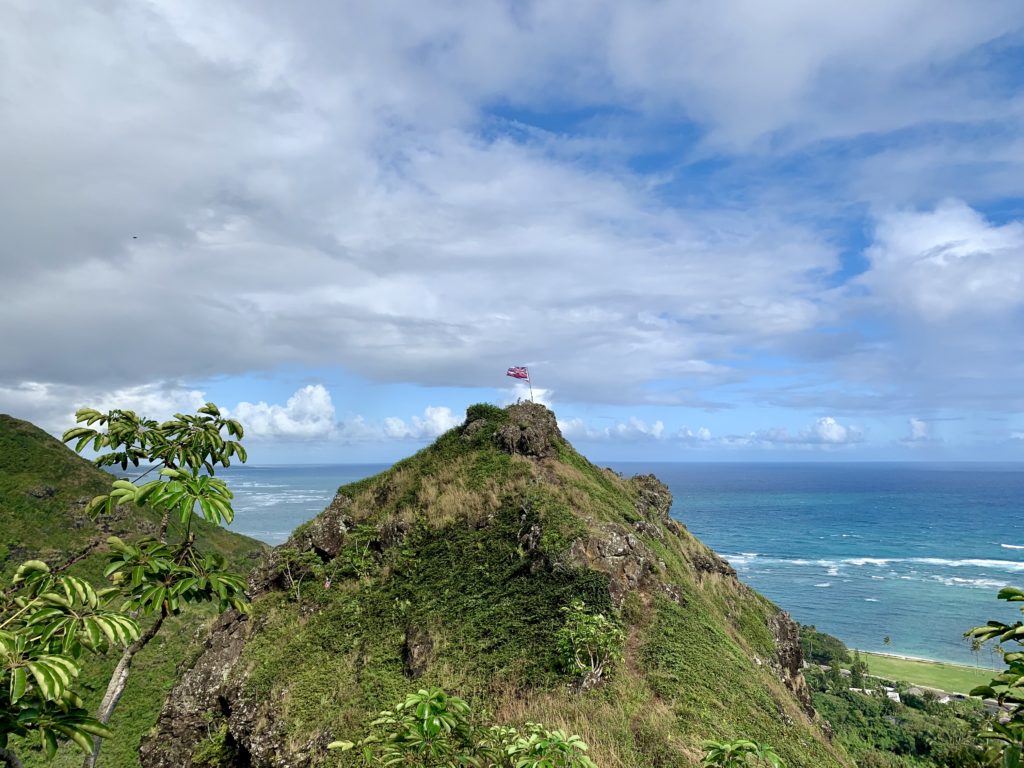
(971,562)
(956,581)
(1012,546)
(824,584)
(878,561)
(833,565)
(870,599)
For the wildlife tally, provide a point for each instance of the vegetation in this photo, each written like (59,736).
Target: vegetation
(44,489)
(588,642)
(821,648)
(47,624)
(741,753)
(1005,739)
(919,731)
(955,678)
(430,728)
(451,571)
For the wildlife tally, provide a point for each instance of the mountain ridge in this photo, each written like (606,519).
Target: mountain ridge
(451,568)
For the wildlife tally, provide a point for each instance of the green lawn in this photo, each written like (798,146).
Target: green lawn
(947,677)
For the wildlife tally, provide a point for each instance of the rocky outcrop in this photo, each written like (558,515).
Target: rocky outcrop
(708,562)
(629,563)
(789,659)
(654,499)
(531,430)
(204,691)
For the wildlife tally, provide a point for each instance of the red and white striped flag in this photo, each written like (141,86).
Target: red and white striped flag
(518,372)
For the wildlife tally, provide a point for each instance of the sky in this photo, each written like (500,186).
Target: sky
(713,230)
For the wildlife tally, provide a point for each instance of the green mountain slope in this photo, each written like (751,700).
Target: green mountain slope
(44,487)
(450,569)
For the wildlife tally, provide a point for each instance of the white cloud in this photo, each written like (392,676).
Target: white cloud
(52,406)
(308,414)
(825,432)
(948,264)
(632,429)
(337,189)
(436,420)
(919,429)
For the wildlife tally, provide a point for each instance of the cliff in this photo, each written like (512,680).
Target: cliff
(450,569)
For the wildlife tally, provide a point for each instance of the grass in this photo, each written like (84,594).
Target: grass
(953,678)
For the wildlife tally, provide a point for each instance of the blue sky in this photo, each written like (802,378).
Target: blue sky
(714,231)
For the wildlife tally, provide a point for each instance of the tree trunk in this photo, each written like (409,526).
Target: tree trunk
(118,681)
(8,758)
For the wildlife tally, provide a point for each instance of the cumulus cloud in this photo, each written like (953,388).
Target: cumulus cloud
(825,432)
(947,264)
(53,406)
(308,414)
(436,420)
(632,430)
(338,185)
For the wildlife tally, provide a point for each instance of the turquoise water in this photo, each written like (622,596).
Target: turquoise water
(915,552)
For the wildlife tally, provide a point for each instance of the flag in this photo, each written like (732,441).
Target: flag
(518,372)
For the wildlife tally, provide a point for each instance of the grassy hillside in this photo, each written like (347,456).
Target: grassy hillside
(450,569)
(44,487)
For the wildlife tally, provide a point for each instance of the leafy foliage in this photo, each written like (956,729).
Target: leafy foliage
(589,642)
(1005,740)
(47,624)
(741,753)
(881,733)
(433,729)
(822,648)
(42,484)
(155,576)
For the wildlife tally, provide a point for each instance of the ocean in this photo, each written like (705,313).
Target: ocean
(912,552)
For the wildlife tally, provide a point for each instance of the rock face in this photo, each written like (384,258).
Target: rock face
(423,589)
(532,430)
(790,659)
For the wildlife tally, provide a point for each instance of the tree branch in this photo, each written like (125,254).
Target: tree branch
(116,686)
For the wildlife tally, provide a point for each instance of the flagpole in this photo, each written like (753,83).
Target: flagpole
(530,382)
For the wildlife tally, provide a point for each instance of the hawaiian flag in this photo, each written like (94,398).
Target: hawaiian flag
(518,372)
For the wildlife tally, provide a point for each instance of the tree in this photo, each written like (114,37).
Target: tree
(740,753)
(1004,741)
(432,729)
(588,642)
(158,576)
(834,678)
(857,670)
(48,622)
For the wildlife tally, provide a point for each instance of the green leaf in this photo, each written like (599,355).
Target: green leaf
(19,682)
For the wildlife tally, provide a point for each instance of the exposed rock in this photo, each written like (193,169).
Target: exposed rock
(629,563)
(709,562)
(324,535)
(326,532)
(649,529)
(654,499)
(197,694)
(42,492)
(790,658)
(532,430)
(472,428)
(416,651)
